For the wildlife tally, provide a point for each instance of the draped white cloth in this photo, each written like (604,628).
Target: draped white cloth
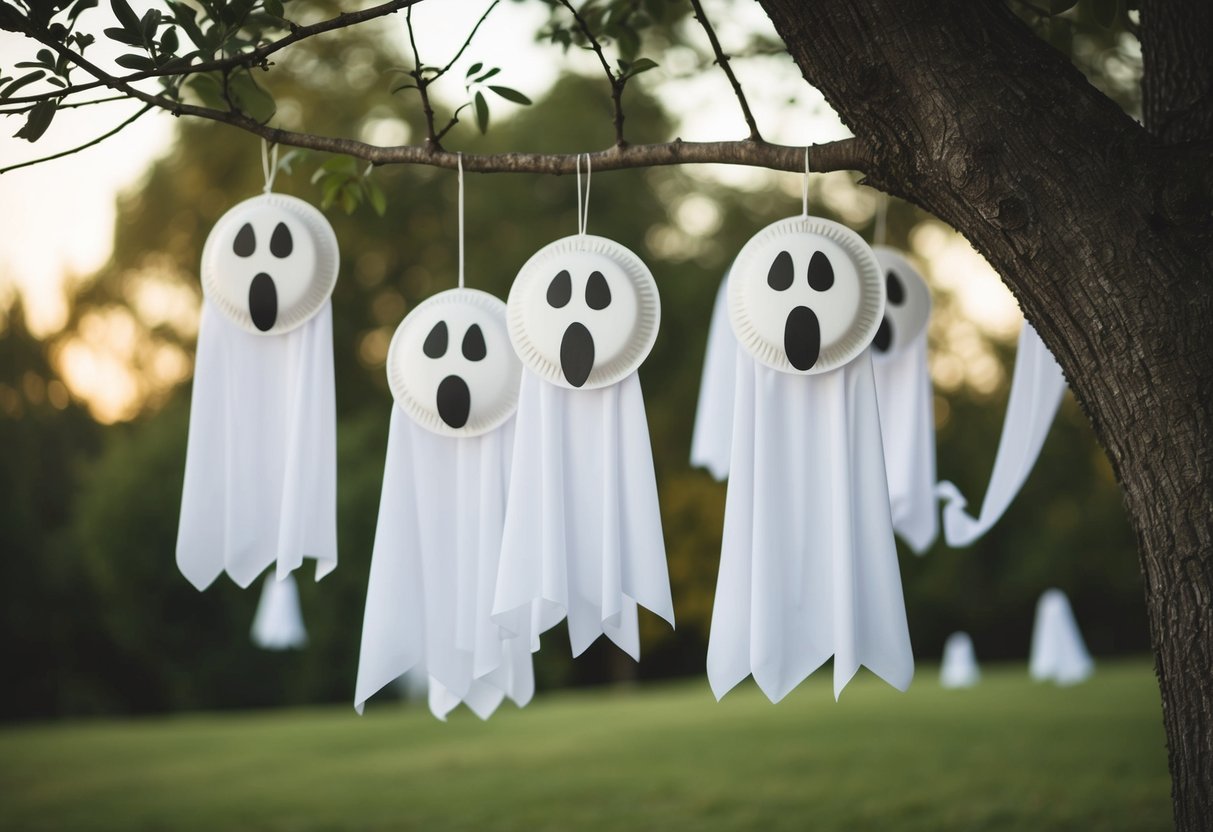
(907,430)
(583,533)
(959,668)
(712,439)
(433,571)
(278,623)
(1058,652)
(261,462)
(808,565)
(1036,388)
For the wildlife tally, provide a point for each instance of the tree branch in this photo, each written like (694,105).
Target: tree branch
(143,110)
(616,82)
(431,138)
(468,42)
(723,61)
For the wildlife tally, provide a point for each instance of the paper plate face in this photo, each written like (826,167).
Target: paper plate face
(907,303)
(450,365)
(584,312)
(270,263)
(806,295)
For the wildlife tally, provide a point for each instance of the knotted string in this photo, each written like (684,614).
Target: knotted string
(583,209)
(269,164)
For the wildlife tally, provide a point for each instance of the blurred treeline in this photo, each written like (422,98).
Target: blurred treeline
(98,620)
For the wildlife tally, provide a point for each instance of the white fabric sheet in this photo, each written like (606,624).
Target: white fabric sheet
(583,533)
(808,567)
(278,623)
(1036,388)
(907,429)
(433,572)
(261,463)
(1058,652)
(959,668)
(712,439)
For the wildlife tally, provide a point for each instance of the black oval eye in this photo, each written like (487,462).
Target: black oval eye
(597,292)
(246,241)
(281,244)
(436,341)
(821,273)
(473,344)
(560,291)
(893,288)
(782,272)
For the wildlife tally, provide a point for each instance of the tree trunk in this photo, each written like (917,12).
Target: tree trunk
(1102,231)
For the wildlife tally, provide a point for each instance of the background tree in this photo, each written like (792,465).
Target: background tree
(1098,224)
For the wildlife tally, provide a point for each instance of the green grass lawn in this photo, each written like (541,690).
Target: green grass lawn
(1008,754)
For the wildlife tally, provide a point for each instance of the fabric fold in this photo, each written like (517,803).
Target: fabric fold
(712,437)
(278,622)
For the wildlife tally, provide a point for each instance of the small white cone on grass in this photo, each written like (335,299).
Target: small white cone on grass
(959,668)
(278,624)
(1059,654)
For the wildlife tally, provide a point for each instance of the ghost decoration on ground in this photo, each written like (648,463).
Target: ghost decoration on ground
(959,668)
(1059,654)
(434,568)
(583,537)
(907,411)
(808,565)
(278,623)
(260,471)
(1036,389)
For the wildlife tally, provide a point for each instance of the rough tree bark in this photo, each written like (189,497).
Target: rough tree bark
(1102,229)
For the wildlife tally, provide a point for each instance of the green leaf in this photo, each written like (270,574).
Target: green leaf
(209,89)
(187,19)
(487,75)
(629,41)
(126,16)
(28,78)
(40,116)
(274,7)
(482,112)
(1105,12)
(149,24)
(351,195)
(473,69)
(1057,7)
(511,95)
(46,57)
(169,41)
(344,165)
(248,97)
(639,66)
(123,36)
(140,63)
(81,6)
(377,198)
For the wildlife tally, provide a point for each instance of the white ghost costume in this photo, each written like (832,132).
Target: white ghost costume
(808,564)
(454,378)
(583,537)
(1036,388)
(260,470)
(1058,653)
(278,623)
(907,409)
(959,667)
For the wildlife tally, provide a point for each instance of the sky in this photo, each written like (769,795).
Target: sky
(58,216)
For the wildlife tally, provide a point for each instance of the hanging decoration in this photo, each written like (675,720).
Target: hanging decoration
(583,533)
(959,668)
(1036,389)
(712,436)
(278,623)
(1059,654)
(454,379)
(903,389)
(260,470)
(808,566)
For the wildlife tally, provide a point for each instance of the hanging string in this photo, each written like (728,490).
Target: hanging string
(804,188)
(269,164)
(882,213)
(583,209)
(460,159)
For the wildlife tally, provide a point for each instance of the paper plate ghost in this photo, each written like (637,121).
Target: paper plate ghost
(582,530)
(907,412)
(454,379)
(260,469)
(278,623)
(1058,654)
(808,565)
(959,668)
(1036,389)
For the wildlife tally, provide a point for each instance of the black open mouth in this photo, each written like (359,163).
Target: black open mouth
(802,338)
(576,354)
(454,401)
(263,302)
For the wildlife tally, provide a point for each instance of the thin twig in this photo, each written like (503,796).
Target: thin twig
(617,83)
(70,105)
(723,61)
(423,84)
(143,110)
(466,43)
(256,57)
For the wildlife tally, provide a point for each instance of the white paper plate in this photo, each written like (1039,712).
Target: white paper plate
(907,304)
(806,295)
(270,263)
(583,312)
(450,365)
